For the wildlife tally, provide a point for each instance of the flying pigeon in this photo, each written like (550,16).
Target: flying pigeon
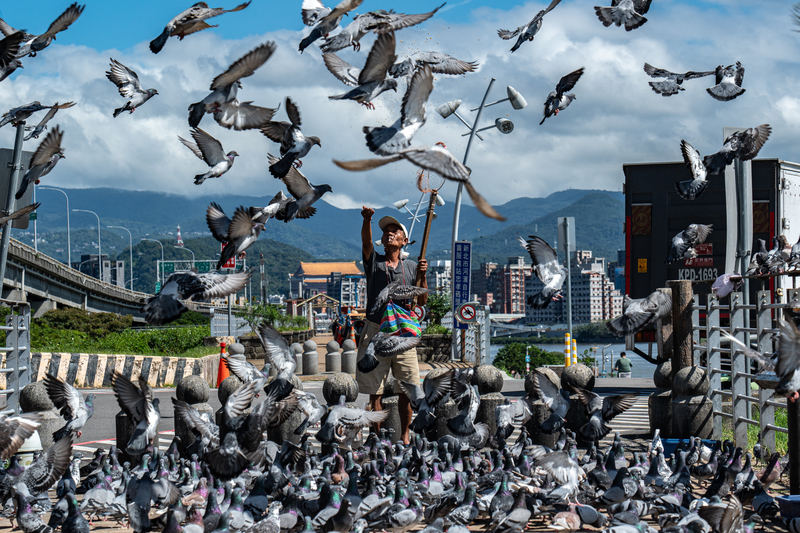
(728,82)
(627,12)
(139,404)
(742,144)
(14,430)
(510,414)
(692,189)
(303,192)
(787,362)
(766,362)
(728,518)
(547,269)
(435,158)
(280,357)
(37,130)
(310,406)
(370,81)
(384,345)
(389,140)
(559,99)
(683,244)
(425,399)
(237,235)
(294,145)
(21,113)
(602,409)
(19,213)
(127,82)
(555,399)
(43,161)
(222,102)
(672,84)
(9,50)
(31,44)
(380,21)
(209,149)
(397,290)
(262,215)
(324,19)
(9,69)
(344,423)
(638,314)
(726,284)
(190,21)
(166,306)
(73,407)
(529,30)
(440,64)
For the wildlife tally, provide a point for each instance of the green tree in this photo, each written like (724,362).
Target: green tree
(592,332)
(438,306)
(511,358)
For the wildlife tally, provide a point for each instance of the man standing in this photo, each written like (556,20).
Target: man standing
(623,366)
(380,270)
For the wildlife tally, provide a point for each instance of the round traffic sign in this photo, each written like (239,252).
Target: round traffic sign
(467,313)
(419,313)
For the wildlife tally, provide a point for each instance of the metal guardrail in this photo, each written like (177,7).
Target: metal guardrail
(18,352)
(477,338)
(219,324)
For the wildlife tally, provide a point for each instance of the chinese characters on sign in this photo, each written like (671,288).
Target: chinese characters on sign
(462,270)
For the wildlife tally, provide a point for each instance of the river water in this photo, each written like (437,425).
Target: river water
(640,368)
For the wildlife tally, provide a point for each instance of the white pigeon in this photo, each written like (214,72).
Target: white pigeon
(190,21)
(43,161)
(624,12)
(547,269)
(127,81)
(209,149)
(728,83)
(37,130)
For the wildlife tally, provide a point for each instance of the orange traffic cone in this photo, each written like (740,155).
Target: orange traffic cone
(222,371)
(353,335)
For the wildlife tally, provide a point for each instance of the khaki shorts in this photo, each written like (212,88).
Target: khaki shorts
(404,366)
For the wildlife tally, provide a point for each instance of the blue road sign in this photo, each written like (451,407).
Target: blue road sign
(462,272)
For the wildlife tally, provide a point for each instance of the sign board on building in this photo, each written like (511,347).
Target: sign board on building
(462,272)
(566,233)
(230,263)
(642,264)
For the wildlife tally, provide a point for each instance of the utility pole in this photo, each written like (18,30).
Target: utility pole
(11,202)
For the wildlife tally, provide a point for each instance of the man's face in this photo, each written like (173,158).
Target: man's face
(393,237)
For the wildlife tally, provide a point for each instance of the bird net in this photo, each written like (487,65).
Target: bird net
(428,181)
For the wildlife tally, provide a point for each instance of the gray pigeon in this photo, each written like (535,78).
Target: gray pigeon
(294,145)
(380,21)
(440,64)
(672,84)
(384,345)
(602,409)
(304,193)
(638,314)
(560,99)
(71,404)
(691,189)
(190,21)
(397,290)
(511,414)
(166,306)
(21,113)
(14,430)
(742,144)
(31,44)
(44,472)
(37,130)
(280,357)
(222,101)
(236,235)
(389,140)
(728,82)
(28,520)
(425,399)
(142,492)
(624,12)
(370,81)
(44,159)
(556,399)
(310,406)
(210,150)
(139,404)
(75,521)
(529,30)
(127,82)
(547,269)
(683,244)
(787,367)
(277,204)
(344,423)
(324,19)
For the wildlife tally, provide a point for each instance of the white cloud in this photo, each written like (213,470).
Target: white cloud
(616,118)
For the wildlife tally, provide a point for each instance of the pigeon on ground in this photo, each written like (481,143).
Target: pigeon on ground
(21,113)
(383,345)
(560,99)
(43,473)
(440,64)
(294,145)
(529,30)
(547,269)
(380,21)
(728,518)
(210,150)
(683,244)
(602,409)
(237,235)
(304,194)
(627,12)
(142,493)
(31,44)
(127,82)
(743,144)
(190,21)
(165,306)
(425,399)
(14,430)
(388,140)
(222,102)
(28,519)
(262,215)
(556,399)
(37,130)
(726,284)
(728,82)
(344,423)
(435,158)
(672,84)
(324,19)
(139,404)
(44,159)
(638,314)
(370,81)
(73,407)
(691,189)
(19,213)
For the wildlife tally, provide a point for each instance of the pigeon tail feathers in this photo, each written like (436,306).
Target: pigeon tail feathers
(691,189)
(23,186)
(725,94)
(158,43)
(539,301)
(196,112)
(119,110)
(228,250)
(200,178)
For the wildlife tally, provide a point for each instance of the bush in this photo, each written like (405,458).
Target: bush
(592,332)
(511,358)
(254,315)
(192,318)
(435,329)
(163,342)
(96,325)
(438,306)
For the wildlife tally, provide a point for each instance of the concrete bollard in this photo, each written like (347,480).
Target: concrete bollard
(333,360)
(338,385)
(310,358)
(540,412)
(195,391)
(34,398)
(490,384)
(236,351)
(349,354)
(393,420)
(692,410)
(297,349)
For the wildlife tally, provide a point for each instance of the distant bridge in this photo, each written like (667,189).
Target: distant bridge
(503,329)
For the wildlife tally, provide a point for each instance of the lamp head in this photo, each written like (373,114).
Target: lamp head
(504,125)
(439,201)
(516,99)
(448,108)
(400,204)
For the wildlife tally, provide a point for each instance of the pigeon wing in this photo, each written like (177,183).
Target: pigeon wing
(701,233)
(242,116)
(50,146)
(693,160)
(130,397)
(313,11)
(244,370)
(126,80)
(391,346)
(788,349)
(342,8)
(64,396)
(19,213)
(241,225)
(210,147)
(341,69)
(438,387)
(275,131)
(62,22)
(413,110)
(438,160)
(218,222)
(616,405)
(276,348)
(380,59)
(655,72)
(445,64)
(41,475)
(15,430)
(240,400)
(398,21)
(642,6)
(546,389)
(507,35)
(566,83)
(222,285)
(758,136)
(297,183)
(245,65)
(192,146)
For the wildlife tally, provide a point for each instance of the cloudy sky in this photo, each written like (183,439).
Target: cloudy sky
(616,118)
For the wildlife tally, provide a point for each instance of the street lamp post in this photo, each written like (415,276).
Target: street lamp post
(188,250)
(99,247)
(130,247)
(159,275)
(69,246)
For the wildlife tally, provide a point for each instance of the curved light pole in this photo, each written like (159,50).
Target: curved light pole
(159,275)
(69,247)
(130,247)
(99,247)
(188,250)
